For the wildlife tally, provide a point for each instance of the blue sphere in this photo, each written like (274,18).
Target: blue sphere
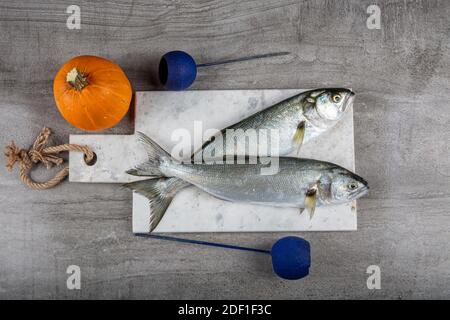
(177,70)
(291,258)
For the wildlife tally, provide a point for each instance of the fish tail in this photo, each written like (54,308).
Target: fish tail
(160,193)
(156,156)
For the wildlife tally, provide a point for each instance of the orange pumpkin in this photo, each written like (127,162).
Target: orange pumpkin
(92,93)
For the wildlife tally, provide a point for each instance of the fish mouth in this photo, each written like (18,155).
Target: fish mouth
(360,179)
(361,191)
(349,99)
(364,190)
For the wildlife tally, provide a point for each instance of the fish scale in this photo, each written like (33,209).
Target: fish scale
(314,108)
(245,183)
(296,183)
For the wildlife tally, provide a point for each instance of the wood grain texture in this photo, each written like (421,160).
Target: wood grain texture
(402,119)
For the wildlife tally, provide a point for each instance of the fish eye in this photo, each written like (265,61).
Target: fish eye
(352,186)
(336,98)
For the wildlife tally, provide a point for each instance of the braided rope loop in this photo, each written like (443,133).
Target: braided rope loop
(48,156)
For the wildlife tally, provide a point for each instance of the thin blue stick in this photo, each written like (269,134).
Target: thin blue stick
(258,56)
(203,243)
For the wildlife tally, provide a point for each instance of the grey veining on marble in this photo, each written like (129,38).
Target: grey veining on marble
(160,114)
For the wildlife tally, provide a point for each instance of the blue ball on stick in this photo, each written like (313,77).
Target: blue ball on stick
(177,70)
(291,258)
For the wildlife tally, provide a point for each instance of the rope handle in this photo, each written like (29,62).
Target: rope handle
(47,155)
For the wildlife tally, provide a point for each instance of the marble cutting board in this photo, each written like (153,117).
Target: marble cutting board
(160,113)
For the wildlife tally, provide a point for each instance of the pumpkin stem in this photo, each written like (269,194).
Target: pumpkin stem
(77,79)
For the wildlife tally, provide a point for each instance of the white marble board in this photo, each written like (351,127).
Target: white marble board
(159,113)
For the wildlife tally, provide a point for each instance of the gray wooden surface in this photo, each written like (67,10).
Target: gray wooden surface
(400,74)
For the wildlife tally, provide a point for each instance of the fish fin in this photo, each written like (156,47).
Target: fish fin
(155,155)
(160,193)
(154,152)
(299,135)
(301,210)
(310,201)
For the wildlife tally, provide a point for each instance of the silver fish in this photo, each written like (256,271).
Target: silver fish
(299,183)
(298,120)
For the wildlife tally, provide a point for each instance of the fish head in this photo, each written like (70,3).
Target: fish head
(331,104)
(347,186)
